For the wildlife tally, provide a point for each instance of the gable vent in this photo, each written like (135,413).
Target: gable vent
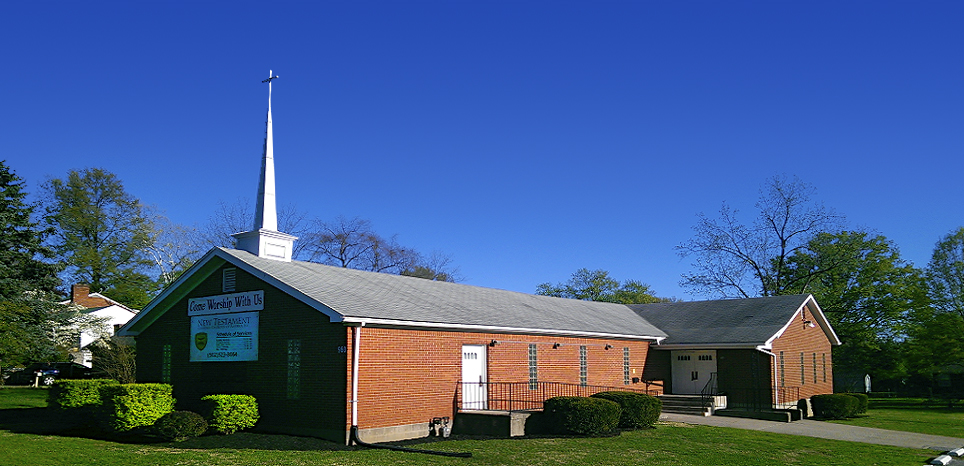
(228,280)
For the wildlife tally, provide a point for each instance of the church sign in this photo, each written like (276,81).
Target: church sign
(225,327)
(225,337)
(221,304)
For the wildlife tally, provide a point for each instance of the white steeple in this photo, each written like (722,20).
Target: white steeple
(264,239)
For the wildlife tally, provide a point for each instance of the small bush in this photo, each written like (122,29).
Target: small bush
(129,406)
(638,410)
(73,394)
(228,414)
(180,425)
(863,402)
(835,406)
(583,415)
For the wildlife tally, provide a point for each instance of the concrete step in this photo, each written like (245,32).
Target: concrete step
(686,404)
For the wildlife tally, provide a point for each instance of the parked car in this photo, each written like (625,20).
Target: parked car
(49,373)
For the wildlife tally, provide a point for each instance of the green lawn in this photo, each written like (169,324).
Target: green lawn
(29,436)
(666,445)
(912,415)
(11,398)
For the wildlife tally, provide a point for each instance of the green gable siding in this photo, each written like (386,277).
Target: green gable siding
(320,408)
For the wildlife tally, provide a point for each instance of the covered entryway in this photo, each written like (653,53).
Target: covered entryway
(692,370)
(474,391)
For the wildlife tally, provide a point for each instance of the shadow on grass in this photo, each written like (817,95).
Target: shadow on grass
(46,421)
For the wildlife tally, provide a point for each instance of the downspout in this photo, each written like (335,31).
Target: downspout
(773,356)
(355,351)
(353,434)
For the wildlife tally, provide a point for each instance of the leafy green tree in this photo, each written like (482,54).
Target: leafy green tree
(866,291)
(102,234)
(945,273)
(935,343)
(936,338)
(738,260)
(597,285)
(22,253)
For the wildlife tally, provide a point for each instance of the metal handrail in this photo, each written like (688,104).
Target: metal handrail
(709,390)
(525,396)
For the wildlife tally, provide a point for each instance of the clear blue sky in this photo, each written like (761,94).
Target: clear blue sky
(524,139)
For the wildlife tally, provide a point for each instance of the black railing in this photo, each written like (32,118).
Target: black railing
(761,399)
(709,390)
(526,396)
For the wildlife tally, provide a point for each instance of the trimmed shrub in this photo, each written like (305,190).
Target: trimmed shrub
(638,410)
(73,394)
(582,415)
(129,406)
(835,406)
(228,414)
(863,402)
(180,425)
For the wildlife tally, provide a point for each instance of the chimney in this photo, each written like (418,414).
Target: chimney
(80,295)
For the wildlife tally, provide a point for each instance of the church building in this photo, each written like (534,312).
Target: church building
(327,349)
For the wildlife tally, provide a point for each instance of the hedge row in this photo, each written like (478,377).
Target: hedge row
(129,406)
(122,408)
(601,413)
(228,414)
(638,410)
(839,405)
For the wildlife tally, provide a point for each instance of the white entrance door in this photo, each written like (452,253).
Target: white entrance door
(691,370)
(474,392)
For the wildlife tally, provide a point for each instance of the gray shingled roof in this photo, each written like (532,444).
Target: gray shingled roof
(356,294)
(750,321)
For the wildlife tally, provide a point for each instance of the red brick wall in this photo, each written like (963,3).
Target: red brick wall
(411,376)
(799,338)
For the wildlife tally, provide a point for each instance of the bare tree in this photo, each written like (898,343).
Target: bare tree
(176,247)
(733,259)
(231,218)
(353,243)
(436,266)
(116,358)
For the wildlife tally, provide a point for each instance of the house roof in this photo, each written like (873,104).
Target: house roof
(751,322)
(359,297)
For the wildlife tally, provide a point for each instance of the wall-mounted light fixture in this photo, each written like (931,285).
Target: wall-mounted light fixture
(493,342)
(555,345)
(809,323)
(609,346)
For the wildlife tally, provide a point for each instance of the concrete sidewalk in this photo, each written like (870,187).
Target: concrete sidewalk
(826,430)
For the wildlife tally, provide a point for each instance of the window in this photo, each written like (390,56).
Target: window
(683,357)
(814,367)
(783,380)
(166,364)
(533,367)
(228,280)
(803,371)
(583,366)
(294,369)
(706,357)
(824,366)
(625,366)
